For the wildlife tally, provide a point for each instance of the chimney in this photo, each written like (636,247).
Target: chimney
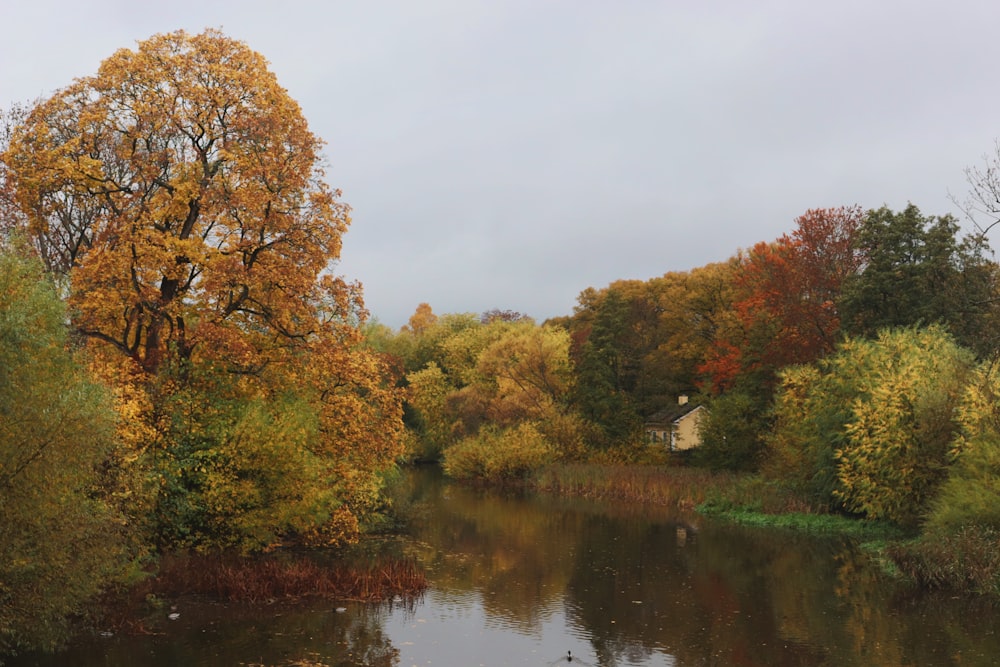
(682,400)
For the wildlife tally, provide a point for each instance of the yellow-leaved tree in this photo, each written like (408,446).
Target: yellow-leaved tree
(181,193)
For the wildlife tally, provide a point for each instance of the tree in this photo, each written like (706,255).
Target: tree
(60,541)
(181,192)
(606,373)
(869,428)
(982,202)
(917,272)
(422,318)
(786,295)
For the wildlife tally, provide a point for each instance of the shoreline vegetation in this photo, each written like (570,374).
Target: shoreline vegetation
(261,579)
(966,562)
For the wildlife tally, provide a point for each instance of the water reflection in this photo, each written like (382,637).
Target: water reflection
(522,580)
(627,585)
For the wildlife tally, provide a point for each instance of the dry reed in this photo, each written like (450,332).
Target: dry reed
(286,577)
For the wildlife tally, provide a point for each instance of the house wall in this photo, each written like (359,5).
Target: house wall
(685,434)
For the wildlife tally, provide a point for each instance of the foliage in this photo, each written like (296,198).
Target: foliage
(498,454)
(181,189)
(607,368)
(500,374)
(880,414)
(428,396)
(917,272)
(897,441)
(60,541)
(732,432)
(785,298)
(181,192)
(971,494)
(238,473)
(810,412)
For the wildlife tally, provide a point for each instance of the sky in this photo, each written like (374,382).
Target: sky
(508,154)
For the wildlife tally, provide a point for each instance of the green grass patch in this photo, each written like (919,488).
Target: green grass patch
(872,533)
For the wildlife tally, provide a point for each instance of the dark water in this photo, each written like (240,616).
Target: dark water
(522,580)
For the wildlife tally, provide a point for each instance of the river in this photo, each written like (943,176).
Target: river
(524,579)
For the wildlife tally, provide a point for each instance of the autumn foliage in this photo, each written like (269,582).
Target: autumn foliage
(786,297)
(179,193)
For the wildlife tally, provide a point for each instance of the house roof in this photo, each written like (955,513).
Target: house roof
(671,414)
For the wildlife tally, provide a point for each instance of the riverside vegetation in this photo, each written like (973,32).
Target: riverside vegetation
(181,373)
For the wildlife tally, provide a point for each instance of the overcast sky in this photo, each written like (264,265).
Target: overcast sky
(511,153)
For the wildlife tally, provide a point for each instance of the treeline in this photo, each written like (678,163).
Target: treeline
(851,363)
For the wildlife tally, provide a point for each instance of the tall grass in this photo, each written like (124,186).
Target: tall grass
(967,560)
(681,488)
(267,578)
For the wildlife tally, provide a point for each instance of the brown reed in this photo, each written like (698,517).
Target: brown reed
(671,486)
(271,578)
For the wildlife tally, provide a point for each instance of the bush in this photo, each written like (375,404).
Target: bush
(869,427)
(499,454)
(971,494)
(731,436)
(60,540)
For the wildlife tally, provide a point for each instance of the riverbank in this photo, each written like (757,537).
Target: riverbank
(966,562)
(264,579)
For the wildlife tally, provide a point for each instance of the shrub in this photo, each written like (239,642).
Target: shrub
(496,454)
(971,494)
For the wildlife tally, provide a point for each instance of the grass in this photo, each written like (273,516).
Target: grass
(742,498)
(681,488)
(967,560)
(267,578)
(261,579)
(671,486)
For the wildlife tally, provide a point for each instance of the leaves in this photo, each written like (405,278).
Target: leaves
(181,193)
(181,188)
(61,542)
(871,427)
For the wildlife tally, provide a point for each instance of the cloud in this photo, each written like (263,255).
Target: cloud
(510,155)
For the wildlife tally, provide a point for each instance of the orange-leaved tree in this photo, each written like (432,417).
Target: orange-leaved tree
(182,194)
(786,296)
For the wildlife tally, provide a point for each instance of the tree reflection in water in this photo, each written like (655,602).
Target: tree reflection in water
(518,579)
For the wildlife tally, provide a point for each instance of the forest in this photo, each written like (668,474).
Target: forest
(180,370)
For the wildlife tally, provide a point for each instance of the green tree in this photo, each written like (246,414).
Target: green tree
(916,271)
(608,367)
(60,541)
(732,435)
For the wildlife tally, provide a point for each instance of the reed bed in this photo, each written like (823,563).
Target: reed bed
(967,561)
(669,486)
(681,488)
(287,577)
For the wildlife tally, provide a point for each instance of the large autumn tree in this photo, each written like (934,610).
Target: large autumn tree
(182,194)
(181,189)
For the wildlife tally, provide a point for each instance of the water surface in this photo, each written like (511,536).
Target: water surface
(519,579)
